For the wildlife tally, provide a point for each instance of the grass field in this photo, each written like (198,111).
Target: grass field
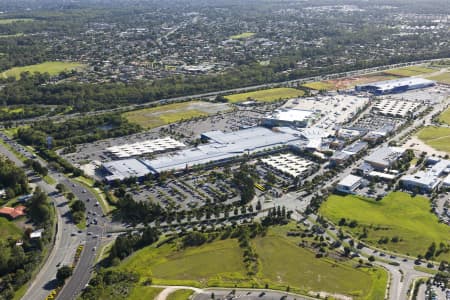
(397,214)
(282,263)
(410,71)
(268,95)
(9,230)
(51,67)
(436,137)
(442,78)
(9,21)
(5,36)
(180,295)
(171,113)
(194,266)
(242,36)
(12,110)
(320,85)
(444,117)
(144,292)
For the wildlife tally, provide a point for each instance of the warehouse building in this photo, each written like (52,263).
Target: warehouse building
(395,86)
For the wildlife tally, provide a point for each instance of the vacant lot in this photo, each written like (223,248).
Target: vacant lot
(436,137)
(171,113)
(268,95)
(9,230)
(410,71)
(9,21)
(52,67)
(242,36)
(442,78)
(221,260)
(396,215)
(282,263)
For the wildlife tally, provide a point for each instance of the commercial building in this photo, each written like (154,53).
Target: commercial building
(224,147)
(345,154)
(428,180)
(355,148)
(423,181)
(145,147)
(289,164)
(384,157)
(349,184)
(125,168)
(395,86)
(289,117)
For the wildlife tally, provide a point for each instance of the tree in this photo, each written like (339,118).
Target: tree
(78,205)
(70,196)
(61,187)
(63,273)
(371,258)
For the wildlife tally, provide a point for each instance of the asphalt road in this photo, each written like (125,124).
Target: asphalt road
(211,95)
(94,233)
(63,250)
(67,237)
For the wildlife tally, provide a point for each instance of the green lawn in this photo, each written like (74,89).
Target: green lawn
(242,36)
(144,292)
(51,67)
(436,137)
(48,179)
(166,114)
(12,110)
(6,36)
(445,116)
(221,260)
(9,230)
(442,78)
(397,214)
(268,95)
(282,264)
(410,71)
(180,295)
(320,85)
(9,21)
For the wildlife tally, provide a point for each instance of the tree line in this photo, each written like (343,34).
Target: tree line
(12,178)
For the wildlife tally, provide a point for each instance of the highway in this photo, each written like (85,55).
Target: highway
(94,233)
(212,95)
(67,238)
